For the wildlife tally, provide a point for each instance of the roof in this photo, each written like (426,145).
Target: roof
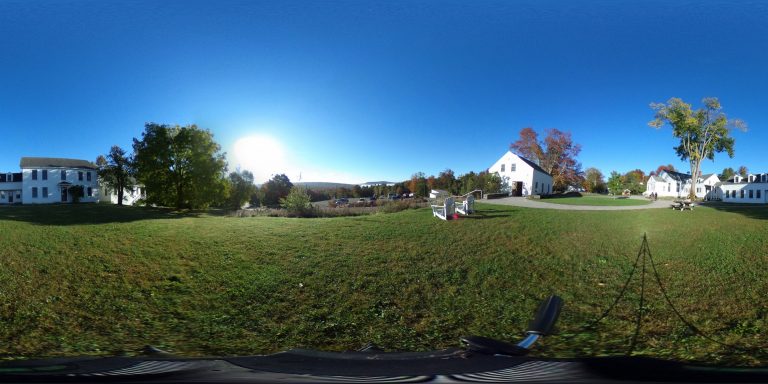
(54,162)
(678,176)
(707,176)
(533,165)
(657,178)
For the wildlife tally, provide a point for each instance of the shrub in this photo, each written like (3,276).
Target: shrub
(298,202)
(76,191)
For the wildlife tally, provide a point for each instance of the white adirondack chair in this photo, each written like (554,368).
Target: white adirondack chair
(467,206)
(444,211)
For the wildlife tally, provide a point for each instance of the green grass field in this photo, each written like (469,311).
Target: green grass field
(595,200)
(94,279)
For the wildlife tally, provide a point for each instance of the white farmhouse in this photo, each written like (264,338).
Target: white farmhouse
(676,184)
(45,180)
(523,176)
(753,189)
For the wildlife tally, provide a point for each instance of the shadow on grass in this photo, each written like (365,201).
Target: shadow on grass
(754,211)
(490,214)
(78,214)
(562,195)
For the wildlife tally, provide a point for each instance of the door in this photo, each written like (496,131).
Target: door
(518,190)
(63,195)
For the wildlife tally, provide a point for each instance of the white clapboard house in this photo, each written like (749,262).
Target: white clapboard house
(47,180)
(676,184)
(523,176)
(752,189)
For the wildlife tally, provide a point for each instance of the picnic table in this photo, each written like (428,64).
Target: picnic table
(682,205)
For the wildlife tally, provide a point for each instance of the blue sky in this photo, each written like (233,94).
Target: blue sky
(355,91)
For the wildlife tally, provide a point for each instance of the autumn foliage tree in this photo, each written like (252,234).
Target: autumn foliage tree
(594,181)
(556,155)
(660,168)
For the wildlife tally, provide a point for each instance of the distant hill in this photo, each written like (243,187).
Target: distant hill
(323,185)
(379,183)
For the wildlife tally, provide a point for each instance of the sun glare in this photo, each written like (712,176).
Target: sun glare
(261,155)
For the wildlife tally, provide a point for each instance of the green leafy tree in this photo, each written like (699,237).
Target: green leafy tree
(727,174)
(743,171)
(241,188)
(182,167)
(615,183)
(702,132)
(275,189)
(633,181)
(115,170)
(297,202)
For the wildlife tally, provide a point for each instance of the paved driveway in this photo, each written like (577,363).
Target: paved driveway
(523,202)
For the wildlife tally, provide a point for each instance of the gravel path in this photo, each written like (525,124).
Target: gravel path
(523,202)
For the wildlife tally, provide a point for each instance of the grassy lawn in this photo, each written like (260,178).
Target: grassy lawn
(595,200)
(102,280)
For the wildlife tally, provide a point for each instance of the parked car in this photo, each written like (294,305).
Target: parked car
(342,201)
(361,200)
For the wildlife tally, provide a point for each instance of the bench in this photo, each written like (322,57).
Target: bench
(682,205)
(467,206)
(444,211)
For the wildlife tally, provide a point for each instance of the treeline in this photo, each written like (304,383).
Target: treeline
(183,167)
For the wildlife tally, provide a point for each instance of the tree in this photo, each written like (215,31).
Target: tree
(593,180)
(446,180)
(115,171)
(702,132)
(297,202)
(76,192)
(275,189)
(180,166)
(241,189)
(727,174)
(633,180)
(615,183)
(528,145)
(668,168)
(556,155)
(743,171)
(418,185)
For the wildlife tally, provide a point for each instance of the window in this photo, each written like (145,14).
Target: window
(751,194)
(80,175)
(90,191)
(34,174)
(45,174)
(742,193)
(63,174)
(34,192)
(513,167)
(727,194)
(758,193)
(45,192)
(536,187)
(88,176)
(502,167)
